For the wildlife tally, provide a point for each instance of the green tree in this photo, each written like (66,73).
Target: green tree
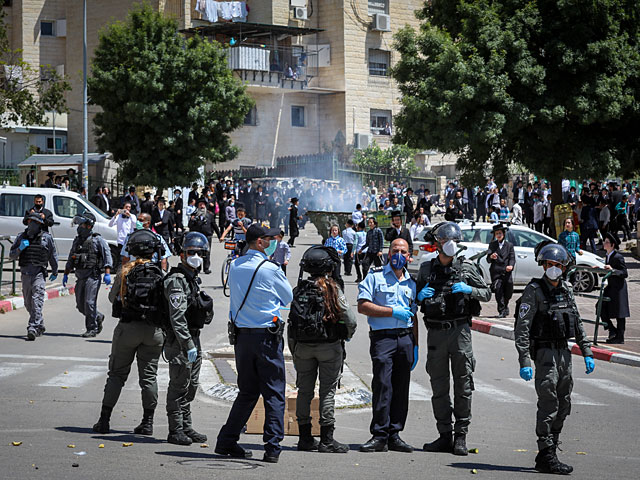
(550,85)
(27,93)
(396,160)
(168,103)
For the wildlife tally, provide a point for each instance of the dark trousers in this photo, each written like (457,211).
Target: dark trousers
(348,261)
(207,256)
(538,226)
(357,261)
(392,357)
(503,288)
(260,366)
(614,331)
(370,258)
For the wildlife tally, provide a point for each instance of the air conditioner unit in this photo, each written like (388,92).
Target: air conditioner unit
(362,141)
(298,3)
(61,28)
(382,22)
(300,13)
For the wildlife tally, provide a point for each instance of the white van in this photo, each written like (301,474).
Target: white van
(15,201)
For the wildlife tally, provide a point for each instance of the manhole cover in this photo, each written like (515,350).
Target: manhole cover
(220,464)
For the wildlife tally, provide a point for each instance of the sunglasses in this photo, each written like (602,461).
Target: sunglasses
(191,253)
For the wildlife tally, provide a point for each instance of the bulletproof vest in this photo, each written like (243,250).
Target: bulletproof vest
(35,255)
(86,257)
(307,322)
(144,295)
(444,305)
(199,304)
(558,322)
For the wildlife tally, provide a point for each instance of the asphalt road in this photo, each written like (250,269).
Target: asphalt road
(51,389)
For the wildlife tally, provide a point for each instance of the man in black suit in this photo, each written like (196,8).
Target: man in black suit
(396,230)
(98,200)
(502,260)
(178,206)
(408,204)
(161,221)
(616,290)
(38,208)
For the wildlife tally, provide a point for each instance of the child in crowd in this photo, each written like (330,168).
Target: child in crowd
(283,252)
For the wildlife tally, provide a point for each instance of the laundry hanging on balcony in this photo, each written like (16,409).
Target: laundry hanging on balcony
(213,11)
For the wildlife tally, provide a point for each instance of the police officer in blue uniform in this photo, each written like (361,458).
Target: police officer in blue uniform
(387,297)
(258,289)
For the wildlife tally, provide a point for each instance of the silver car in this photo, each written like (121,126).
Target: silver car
(476,237)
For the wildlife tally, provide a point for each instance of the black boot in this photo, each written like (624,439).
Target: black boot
(179,438)
(442,444)
(195,436)
(547,462)
(460,445)
(328,444)
(102,426)
(306,442)
(146,425)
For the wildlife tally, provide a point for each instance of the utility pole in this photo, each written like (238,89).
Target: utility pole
(85,133)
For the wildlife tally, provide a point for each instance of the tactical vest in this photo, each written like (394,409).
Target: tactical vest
(35,255)
(199,304)
(86,257)
(558,322)
(144,297)
(307,323)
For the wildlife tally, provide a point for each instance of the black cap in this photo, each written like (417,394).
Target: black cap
(256,231)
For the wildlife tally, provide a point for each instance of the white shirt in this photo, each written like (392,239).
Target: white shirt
(517,214)
(356,216)
(124,226)
(106,200)
(415,230)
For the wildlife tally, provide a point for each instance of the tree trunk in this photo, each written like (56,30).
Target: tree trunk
(556,199)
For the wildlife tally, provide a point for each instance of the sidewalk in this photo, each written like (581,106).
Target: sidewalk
(14,303)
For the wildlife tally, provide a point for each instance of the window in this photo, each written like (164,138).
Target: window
(47,28)
(297,116)
(378,6)
(6,3)
(381,122)
(15,205)
(252,117)
(522,238)
(67,207)
(58,144)
(379,62)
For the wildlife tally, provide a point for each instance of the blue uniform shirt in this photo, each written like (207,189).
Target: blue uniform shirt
(167,250)
(269,292)
(383,288)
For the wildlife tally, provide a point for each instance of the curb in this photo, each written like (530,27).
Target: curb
(504,331)
(18,302)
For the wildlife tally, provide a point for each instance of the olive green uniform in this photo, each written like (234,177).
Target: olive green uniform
(183,375)
(450,341)
(553,379)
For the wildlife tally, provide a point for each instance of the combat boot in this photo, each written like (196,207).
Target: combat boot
(460,445)
(179,438)
(556,446)
(146,425)
(443,444)
(547,462)
(328,444)
(102,426)
(306,442)
(195,436)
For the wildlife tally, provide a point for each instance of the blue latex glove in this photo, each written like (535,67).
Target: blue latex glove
(65,279)
(53,277)
(590,364)
(23,244)
(416,355)
(402,313)
(107,279)
(526,373)
(192,355)
(461,287)
(426,292)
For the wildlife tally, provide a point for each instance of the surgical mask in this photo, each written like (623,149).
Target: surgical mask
(194,261)
(139,225)
(553,273)
(271,248)
(398,261)
(249,184)
(449,248)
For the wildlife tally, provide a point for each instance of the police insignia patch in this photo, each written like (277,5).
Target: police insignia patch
(176,299)
(524,309)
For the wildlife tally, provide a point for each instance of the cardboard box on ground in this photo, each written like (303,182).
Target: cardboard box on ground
(256,420)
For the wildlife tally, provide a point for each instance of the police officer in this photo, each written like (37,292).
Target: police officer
(89,255)
(160,256)
(258,289)
(34,249)
(387,297)
(138,333)
(182,347)
(453,289)
(502,260)
(547,318)
(204,221)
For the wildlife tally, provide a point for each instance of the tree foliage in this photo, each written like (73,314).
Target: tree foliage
(168,103)
(396,160)
(25,94)
(551,85)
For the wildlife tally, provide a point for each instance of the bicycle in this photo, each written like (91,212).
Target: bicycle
(226,265)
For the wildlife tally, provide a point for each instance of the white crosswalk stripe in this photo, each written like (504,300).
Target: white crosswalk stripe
(576,398)
(612,387)
(8,368)
(498,394)
(419,393)
(77,376)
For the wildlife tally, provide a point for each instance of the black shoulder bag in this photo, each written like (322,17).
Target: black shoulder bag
(232,330)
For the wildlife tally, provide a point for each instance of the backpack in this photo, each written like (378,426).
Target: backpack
(144,297)
(306,318)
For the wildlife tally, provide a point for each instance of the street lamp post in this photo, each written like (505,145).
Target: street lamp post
(85,133)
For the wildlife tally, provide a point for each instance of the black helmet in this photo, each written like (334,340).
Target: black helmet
(143,243)
(553,252)
(318,260)
(446,231)
(85,217)
(35,217)
(195,241)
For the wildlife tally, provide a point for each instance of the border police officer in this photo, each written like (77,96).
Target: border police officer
(258,289)
(138,334)
(34,249)
(387,297)
(89,255)
(450,290)
(546,317)
(182,347)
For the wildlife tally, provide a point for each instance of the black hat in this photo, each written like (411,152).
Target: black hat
(615,241)
(132,189)
(202,200)
(500,227)
(256,231)
(294,199)
(396,213)
(51,174)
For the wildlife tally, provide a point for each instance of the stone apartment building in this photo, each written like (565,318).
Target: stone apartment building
(314,67)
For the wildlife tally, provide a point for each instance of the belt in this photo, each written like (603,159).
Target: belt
(253,331)
(449,324)
(392,332)
(557,344)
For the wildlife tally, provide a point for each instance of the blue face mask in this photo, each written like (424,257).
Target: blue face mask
(398,261)
(271,248)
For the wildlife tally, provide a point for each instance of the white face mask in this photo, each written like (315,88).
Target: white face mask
(194,261)
(553,273)
(449,248)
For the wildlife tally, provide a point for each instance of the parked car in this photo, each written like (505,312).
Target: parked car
(64,205)
(476,237)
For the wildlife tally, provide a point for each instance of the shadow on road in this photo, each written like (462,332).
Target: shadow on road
(493,468)
(119,436)
(15,337)
(99,341)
